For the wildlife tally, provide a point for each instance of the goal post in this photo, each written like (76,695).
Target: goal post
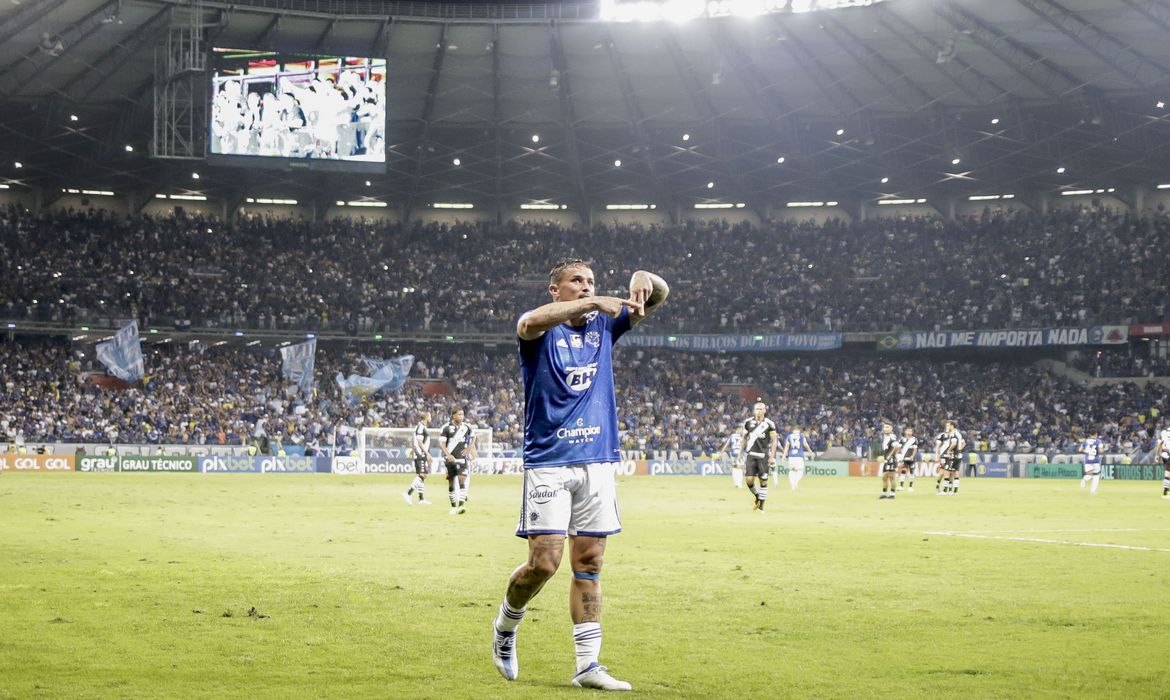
(390,451)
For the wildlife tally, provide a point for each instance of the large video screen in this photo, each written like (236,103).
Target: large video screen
(279,108)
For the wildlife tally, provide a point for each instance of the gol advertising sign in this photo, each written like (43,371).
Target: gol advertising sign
(36,463)
(158,463)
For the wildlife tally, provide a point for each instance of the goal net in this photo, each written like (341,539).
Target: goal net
(389,451)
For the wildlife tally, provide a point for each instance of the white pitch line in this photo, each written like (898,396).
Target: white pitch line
(1094,529)
(1044,541)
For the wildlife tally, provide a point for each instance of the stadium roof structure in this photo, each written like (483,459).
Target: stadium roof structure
(905,98)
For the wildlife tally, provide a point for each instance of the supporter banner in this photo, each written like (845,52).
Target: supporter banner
(122,354)
(1147,329)
(36,463)
(143,463)
(1133,472)
(1026,338)
(297,363)
(97,464)
(1055,471)
(736,343)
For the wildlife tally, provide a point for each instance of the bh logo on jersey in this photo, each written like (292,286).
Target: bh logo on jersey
(580,378)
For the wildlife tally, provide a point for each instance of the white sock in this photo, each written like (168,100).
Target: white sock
(463,494)
(1093,488)
(509,618)
(737,477)
(587,641)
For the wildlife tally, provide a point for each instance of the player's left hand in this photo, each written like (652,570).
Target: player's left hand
(640,290)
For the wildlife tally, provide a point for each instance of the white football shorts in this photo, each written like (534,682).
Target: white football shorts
(796,464)
(573,500)
(1092,469)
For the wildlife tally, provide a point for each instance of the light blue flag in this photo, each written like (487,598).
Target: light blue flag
(298,364)
(387,375)
(122,354)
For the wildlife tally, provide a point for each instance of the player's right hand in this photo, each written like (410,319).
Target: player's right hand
(612,306)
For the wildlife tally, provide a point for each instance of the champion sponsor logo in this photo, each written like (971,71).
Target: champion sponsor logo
(542,495)
(580,378)
(579,434)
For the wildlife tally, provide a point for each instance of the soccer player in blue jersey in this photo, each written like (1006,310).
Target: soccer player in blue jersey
(1092,447)
(795,447)
(571,450)
(729,452)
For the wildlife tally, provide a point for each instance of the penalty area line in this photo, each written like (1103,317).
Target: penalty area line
(1041,540)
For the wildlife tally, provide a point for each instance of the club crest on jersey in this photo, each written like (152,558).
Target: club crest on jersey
(575,341)
(593,339)
(580,378)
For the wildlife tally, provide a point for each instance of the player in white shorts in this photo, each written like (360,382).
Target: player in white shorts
(571,451)
(1092,448)
(795,447)
(730,451)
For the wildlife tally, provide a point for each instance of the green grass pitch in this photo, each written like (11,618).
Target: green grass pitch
(267,586)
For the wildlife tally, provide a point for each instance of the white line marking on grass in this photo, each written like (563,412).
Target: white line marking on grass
(1045,541)
(1095,529)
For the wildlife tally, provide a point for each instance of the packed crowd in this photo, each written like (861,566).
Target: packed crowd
(1078,266)
(1120,363)
(667,400)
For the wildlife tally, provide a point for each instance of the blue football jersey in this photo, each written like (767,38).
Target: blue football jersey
(796,445)
(1092,447)
(570,412)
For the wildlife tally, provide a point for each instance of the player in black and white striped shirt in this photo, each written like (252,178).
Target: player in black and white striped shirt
(420,447)
(906,455)
(759,451)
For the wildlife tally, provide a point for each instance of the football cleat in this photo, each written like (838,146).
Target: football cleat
(409,501)
(504,653)
(461,509)
(453,511)
(424,502)
(597,677)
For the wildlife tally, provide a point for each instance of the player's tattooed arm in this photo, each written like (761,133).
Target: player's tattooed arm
(535,323)
(648,291)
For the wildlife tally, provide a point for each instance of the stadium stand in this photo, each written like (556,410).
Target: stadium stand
(1000,270)
(672,400)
